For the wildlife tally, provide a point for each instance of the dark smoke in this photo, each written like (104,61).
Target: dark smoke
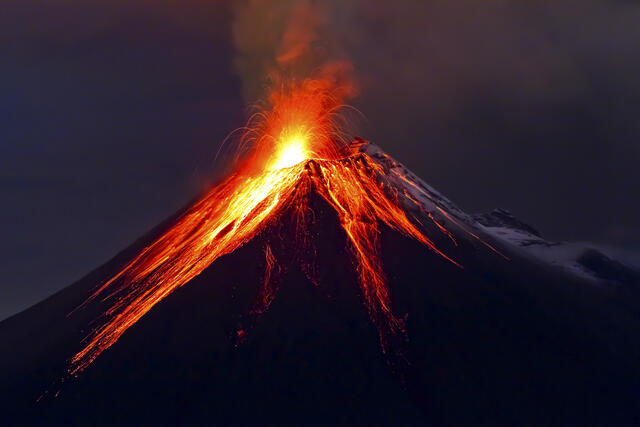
(284,39)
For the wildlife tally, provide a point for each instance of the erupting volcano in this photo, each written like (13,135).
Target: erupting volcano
(323,282)
(293,149)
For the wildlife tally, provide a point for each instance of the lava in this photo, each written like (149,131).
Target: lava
(289,150)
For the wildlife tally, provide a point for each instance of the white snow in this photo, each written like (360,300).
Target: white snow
(562,255)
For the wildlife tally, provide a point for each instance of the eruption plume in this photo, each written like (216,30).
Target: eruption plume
(276,38)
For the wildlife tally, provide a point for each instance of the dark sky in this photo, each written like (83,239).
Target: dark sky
(111,113)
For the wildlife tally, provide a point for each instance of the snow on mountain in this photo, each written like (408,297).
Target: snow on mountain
(582,259)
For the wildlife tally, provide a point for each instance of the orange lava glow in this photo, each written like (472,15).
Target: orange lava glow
(290,150)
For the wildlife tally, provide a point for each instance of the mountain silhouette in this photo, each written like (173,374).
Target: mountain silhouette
(523,332)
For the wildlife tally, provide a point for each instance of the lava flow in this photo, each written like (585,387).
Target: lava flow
(291,149)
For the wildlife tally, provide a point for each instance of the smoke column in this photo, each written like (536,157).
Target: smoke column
(287,39)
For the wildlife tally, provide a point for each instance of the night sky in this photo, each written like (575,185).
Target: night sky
(111,112)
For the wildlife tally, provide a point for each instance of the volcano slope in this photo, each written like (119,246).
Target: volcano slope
(506,339)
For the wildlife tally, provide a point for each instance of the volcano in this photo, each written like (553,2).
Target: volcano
(322,282)
(303,322)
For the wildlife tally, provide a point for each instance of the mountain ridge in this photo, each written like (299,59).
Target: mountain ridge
(506,338)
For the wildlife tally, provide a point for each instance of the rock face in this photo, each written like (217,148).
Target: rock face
(511,338)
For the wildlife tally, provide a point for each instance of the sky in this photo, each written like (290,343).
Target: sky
(111,113)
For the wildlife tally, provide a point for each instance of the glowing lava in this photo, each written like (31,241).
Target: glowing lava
(292,149)
(292,153)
